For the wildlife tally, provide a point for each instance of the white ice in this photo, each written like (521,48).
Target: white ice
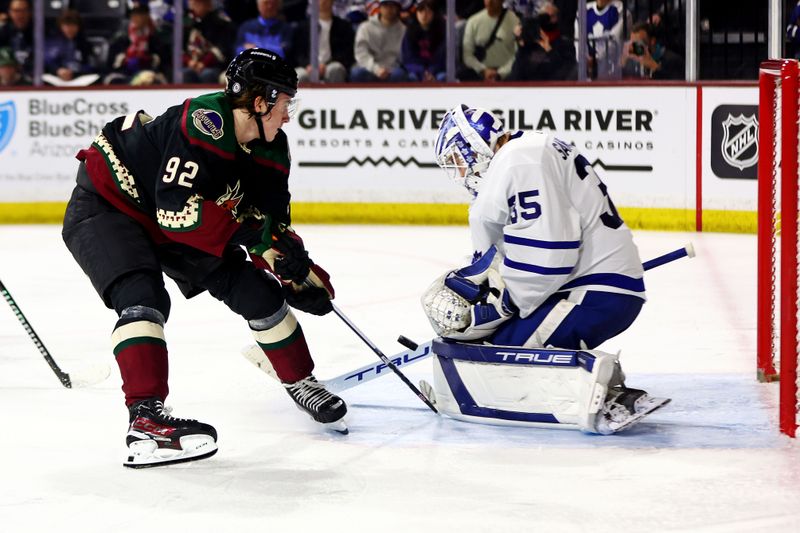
(713,460)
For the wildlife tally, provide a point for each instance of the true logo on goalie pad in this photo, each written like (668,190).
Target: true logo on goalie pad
(538,358)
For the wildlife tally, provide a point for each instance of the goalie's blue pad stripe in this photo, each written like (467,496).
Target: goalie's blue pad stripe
(511,355)
(463,287)
(611,280)
(481,265)
(537,269)
(535,243)
(468,406)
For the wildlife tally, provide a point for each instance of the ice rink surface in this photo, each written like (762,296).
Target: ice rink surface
(712,460)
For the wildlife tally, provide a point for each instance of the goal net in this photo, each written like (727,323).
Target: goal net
(777,336)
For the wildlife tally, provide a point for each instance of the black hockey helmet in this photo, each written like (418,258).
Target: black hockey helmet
(257,69)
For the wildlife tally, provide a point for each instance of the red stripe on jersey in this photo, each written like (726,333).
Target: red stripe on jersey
(216,229)
(102,179)
(271,164)
(199,142)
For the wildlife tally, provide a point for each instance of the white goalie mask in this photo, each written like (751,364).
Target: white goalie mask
(466,144)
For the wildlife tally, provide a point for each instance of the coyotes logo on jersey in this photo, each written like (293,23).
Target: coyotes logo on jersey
(230,200)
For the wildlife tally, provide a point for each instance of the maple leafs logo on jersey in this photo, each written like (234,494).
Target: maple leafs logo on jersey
(229,201)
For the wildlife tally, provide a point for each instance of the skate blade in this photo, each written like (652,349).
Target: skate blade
(147,454)
(648,407)
(339,427)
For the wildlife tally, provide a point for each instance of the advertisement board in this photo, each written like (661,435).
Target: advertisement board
(376,145)
(730,148)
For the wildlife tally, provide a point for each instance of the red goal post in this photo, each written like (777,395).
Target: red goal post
(777,301)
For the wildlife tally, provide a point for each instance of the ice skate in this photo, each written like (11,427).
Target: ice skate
(157,439)
(624,408)
(323,406)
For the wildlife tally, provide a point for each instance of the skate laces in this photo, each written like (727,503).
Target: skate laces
(309,392)
(165,412)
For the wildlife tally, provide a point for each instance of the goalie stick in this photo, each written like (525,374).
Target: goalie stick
(367,373)
(83,378)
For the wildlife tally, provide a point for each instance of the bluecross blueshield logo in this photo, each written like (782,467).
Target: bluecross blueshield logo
(8,120)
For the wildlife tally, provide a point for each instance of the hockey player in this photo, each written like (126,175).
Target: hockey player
(554,264)
(183,195)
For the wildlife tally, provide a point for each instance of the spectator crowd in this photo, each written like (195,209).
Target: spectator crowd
(364,41)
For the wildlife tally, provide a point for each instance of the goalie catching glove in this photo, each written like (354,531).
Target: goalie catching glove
(306,286)
(469,303)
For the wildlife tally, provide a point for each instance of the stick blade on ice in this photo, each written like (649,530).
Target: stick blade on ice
(91,375)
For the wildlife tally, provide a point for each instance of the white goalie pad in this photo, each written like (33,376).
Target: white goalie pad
(521,386)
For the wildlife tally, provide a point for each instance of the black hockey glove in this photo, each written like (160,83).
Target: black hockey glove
(314,300)
(284,252)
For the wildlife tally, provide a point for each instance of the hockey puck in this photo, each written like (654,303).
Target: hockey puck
(408,343)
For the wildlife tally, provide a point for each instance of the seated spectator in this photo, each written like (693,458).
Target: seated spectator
(644,57)
(266,31)
(67,54)
(17,34)
(604,23)
(208,47)
(562,49)
(424,45)
(540,58)
(336,40)
(134,53)
(10,71)
(378,46)
(489,44)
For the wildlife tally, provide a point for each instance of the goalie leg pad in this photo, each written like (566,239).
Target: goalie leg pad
(518,386)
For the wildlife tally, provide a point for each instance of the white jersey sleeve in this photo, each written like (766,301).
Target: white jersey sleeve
(549,214)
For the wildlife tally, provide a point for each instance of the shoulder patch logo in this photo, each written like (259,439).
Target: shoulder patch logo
(209,122)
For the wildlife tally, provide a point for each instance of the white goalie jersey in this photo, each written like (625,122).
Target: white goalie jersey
(550,215)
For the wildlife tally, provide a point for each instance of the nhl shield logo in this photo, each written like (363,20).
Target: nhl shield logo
(8,120)
(740,141)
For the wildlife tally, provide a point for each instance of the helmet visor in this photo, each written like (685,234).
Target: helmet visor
(288,106)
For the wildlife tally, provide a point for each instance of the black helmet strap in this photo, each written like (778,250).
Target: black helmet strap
(270,104)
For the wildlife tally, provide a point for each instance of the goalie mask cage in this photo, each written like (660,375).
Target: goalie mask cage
(777,349)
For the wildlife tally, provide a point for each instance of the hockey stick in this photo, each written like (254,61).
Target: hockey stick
(255,355)
(686,251)
(72,380)
(383,358)
(367,373)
